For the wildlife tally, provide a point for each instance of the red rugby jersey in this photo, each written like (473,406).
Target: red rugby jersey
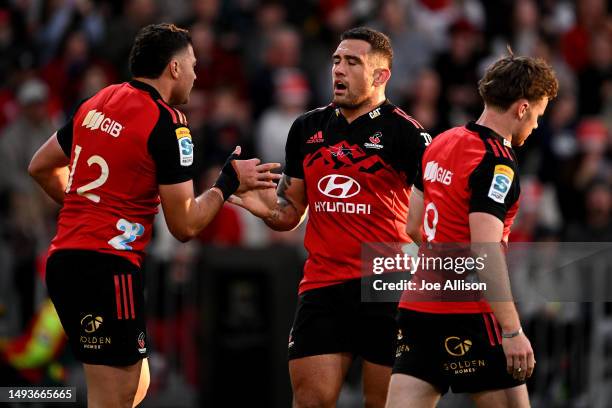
(464,170)
(122,143)
(358,178)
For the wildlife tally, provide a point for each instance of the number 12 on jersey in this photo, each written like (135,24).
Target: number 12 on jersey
(83,190)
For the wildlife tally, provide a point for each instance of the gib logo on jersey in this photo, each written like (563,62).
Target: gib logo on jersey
(434,172)
(96,120)
(340,187)
(374,141)
(500,185)
(185,146)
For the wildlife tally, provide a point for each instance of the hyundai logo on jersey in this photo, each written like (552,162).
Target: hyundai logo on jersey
(339,186)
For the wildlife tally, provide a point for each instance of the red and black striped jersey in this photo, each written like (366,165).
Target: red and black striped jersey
(122,143)
(357,177)
(464,170)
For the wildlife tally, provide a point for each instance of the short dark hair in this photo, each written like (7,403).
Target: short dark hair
(512,78)
(153,48)
(380,43)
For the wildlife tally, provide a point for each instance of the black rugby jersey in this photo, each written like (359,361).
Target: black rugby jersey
(358,178)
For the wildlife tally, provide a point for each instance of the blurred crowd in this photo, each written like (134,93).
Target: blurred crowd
(262,63)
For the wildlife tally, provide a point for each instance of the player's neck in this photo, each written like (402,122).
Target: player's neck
(159,85)
(351,114)
(497,122)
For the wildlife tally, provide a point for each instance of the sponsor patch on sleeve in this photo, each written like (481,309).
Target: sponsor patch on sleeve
(185,146)
(500,185)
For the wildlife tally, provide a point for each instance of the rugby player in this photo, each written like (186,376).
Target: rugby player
(470,191)
(352,163)
(126,149)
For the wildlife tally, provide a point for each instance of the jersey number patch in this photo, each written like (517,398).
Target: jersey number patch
(430,221)
(131,231)
(83,190)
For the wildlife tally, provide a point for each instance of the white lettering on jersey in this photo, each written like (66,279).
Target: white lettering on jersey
(434,172)
(340,207)
(97,120)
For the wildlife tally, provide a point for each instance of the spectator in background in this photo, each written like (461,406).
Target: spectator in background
(135,14)
(425,101)
(538,215)
(282,52)
(595,79)
(269,17)
(65,16)
(525,23)
(29,211)
(228,125)
(593,139)
(559,152)
(24,136)
(94,79)
(205,12)
(291,94)
(64,74)
(413,50)
(458,72)
(597,225)
(216,66)
(590,18)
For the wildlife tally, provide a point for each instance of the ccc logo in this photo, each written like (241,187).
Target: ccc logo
(339,186)
(457,347)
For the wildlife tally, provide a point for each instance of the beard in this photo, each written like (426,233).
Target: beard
(349,102)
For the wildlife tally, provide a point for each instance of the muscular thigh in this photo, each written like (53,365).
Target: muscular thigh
(319,378)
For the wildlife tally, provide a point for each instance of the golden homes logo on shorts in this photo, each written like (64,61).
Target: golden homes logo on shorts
(90,325)
(457,347)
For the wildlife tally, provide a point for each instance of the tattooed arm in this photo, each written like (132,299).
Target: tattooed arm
(282,211)
(291,205)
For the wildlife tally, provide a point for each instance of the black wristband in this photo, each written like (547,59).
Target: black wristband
(228,181)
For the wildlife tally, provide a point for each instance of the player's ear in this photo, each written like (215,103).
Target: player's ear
(521,108)
(381,76)
(174,68)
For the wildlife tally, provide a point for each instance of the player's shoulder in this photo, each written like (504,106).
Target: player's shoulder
(312,120)
(397,115)
(317,114)
(170,115)
(495,147)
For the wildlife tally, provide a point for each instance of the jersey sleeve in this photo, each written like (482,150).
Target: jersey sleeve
(413,142)
(64,134)
(171,146)
(293,153)
(494,186)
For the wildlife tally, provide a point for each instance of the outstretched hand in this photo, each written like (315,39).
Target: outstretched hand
(252,174)
(260,202)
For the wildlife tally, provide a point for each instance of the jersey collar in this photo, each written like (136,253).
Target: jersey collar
(373,114)
(487,132)
(146,87)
